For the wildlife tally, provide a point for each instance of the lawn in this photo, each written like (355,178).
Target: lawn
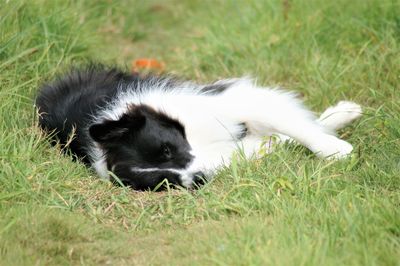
(287,208)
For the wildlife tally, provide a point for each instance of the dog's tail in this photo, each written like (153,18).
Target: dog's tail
(338,116)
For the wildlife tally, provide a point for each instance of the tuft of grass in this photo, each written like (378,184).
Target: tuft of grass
(287,207)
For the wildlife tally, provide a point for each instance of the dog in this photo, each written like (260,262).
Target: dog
(148,129)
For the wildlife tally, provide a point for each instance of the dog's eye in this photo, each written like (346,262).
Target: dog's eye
(166,152)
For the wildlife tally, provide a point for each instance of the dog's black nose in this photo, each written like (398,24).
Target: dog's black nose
(199,179)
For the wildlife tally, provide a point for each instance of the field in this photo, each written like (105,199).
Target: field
(288,208)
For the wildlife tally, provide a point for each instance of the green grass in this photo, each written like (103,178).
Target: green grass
(288,208)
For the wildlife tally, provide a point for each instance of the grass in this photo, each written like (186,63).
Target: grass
(288,208)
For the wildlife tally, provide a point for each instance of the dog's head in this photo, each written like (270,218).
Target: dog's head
(143,148)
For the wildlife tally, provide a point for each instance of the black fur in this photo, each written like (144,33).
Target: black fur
(216,88)
(68,105)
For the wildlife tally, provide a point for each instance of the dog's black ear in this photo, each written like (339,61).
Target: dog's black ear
(110,130)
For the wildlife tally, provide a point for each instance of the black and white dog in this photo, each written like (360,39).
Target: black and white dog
(145,129)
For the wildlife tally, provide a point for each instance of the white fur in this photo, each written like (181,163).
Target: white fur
(340,115)
(335,117)
(211,121)
(185,174)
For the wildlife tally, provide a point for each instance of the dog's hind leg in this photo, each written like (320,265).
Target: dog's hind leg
(335,117)
(268,111)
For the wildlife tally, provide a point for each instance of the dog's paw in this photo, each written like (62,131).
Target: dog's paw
(333,148)
(351,110)
(340,115)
